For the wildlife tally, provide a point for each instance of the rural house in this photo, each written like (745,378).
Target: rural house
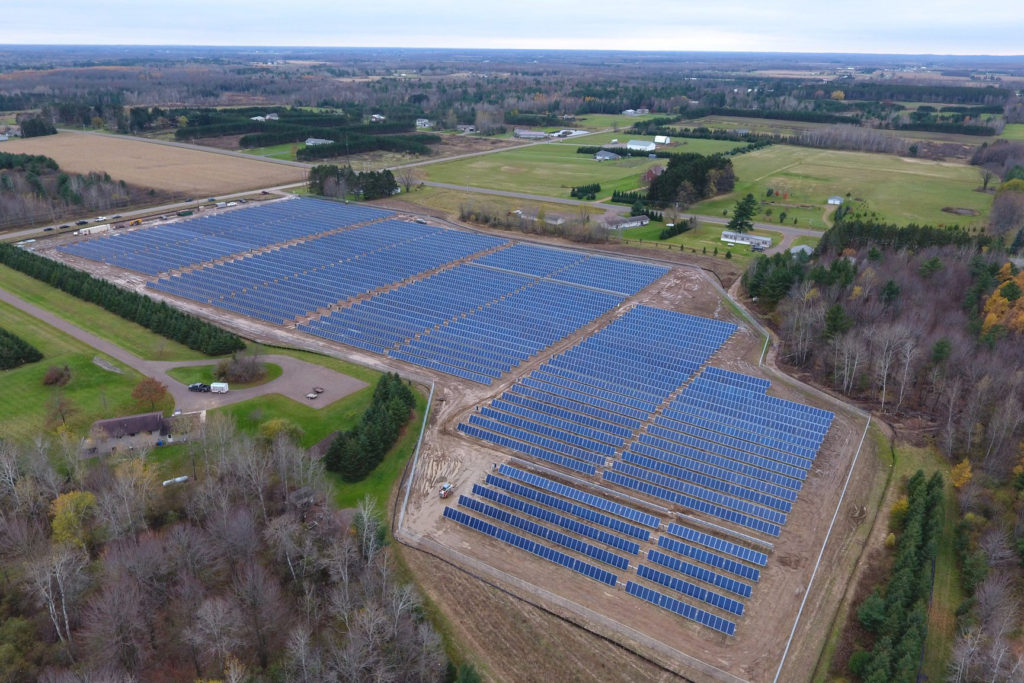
(626,222)
(756,242)
(605,155)
(131,432)
(835,200)
(313,142)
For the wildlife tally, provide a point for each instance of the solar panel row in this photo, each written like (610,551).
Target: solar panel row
(715,543)
(599,554)
(559,520)
(197,240)
(681,608)
(529,546)
(711,559)
(691,590)
(694,571)
(570,508)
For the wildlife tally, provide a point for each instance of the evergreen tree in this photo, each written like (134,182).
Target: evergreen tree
(742,215)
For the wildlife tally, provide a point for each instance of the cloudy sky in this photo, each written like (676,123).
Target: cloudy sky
(878,26)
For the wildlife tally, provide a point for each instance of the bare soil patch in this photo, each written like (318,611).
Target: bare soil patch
(161,166)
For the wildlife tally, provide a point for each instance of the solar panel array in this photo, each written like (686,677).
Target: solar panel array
(637,404)
(205,238)
(282,284)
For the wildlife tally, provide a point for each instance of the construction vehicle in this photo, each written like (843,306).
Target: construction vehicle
(446,490)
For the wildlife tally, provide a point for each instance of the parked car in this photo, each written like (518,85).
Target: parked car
(66,225)
(49,229)
(83,222)
(312,395)
(200,387)
(318,390)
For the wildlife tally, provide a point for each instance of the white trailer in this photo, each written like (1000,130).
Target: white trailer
(92,230)
(219,388)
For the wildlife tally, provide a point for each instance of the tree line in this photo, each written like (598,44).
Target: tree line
(15,351)
(355,453)
(896,613)
(328,180)
(414,143)
(585,191)
(138,308)
(244,573)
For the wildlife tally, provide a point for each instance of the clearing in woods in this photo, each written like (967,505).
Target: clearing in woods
(156,165)
(898,189)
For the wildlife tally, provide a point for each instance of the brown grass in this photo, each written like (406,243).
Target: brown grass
(174,169)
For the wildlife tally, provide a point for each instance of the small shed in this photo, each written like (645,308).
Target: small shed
(605,155)
(662,140)
(835,200)
(802,249)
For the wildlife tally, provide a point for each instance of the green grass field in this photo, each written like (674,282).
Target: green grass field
(678,146)
(91,318)
(284,151)
(599,121)
(783,127)
(706,236)
(549,170)
(204,373)
(900,190)
(93,393)
(1013,131)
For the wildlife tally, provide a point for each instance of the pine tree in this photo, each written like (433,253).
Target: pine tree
(742,215)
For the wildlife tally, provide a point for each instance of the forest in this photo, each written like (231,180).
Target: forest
(244,573)
(923,326)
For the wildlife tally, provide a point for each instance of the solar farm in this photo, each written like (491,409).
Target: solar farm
(604,450)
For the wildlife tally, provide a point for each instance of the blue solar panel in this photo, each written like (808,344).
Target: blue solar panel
(715,543)
(691,590)
(570,508)
(700,573)
(681,608)
(582,497)
(552,518)
(717,561)
(526,544)
(599,554)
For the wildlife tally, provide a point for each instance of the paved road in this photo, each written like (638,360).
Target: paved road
(296,380)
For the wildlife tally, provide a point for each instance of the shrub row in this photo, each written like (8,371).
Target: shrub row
(357,452)
(138,308)
(15,351)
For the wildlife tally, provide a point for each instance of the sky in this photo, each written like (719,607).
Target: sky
(854,26)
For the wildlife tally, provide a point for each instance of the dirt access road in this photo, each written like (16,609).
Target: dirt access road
(296,380)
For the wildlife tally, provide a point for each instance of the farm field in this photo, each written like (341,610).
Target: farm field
(599,121)
(284,151)
(549,169)
(27,405)
(783,127)
(900,190)
(165,167)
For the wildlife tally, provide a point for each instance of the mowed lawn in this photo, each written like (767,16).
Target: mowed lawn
(677,146)
(704,240)
(91,394)
(284,151)
(900,190)
(91,318)
(548,169)
(1013,131)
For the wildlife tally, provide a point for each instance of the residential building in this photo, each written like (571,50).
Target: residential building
(465,128)
(801,249)
(625,222)
(424,123)
(835,200)
(605,155)
(313,142)
(756,242)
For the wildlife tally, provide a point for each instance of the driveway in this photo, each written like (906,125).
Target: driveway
(296,380)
